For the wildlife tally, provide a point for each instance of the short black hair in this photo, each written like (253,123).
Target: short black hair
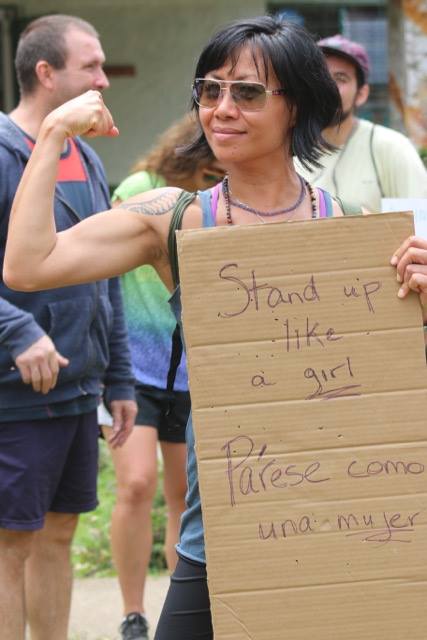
(43,39)
(300,68)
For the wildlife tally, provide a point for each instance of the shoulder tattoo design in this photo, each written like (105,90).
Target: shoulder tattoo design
(157,206)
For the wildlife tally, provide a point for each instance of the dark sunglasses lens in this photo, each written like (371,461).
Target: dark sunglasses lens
(207,92)
(249,96)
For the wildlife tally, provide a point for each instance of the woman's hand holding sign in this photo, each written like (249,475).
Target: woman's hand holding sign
(410,261)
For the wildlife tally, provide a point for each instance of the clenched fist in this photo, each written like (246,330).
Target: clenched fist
(85,115)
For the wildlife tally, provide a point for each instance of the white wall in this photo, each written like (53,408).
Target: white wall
(163,39)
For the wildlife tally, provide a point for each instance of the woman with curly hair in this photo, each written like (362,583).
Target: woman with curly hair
(161,386)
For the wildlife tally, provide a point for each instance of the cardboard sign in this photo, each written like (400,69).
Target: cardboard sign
(308,385)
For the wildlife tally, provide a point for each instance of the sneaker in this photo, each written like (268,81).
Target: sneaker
(134,627)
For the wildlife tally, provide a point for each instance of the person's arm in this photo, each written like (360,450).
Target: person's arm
(18,328)
(31,349)
(101,246)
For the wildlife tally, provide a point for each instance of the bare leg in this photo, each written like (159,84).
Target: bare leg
(48,578)
(174,487)
(14,550)
(131,536)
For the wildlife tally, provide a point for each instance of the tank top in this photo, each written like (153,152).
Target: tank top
(192,543)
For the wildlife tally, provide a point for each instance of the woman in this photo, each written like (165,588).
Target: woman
(161,386)
(262,94)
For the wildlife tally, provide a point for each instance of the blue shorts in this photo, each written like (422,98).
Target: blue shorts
(47,465)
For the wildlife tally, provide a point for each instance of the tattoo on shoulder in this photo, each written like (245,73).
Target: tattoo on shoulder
(157,206)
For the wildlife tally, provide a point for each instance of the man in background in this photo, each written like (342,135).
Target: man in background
(57,349)
(372,161)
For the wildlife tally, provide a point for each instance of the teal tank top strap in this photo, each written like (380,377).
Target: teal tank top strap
(206,202)
(329,205)
(182,203)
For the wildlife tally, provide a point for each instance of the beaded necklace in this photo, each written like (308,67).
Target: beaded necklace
(267,214)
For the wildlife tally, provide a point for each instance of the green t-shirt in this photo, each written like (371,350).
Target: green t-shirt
(149,318)
(137,183)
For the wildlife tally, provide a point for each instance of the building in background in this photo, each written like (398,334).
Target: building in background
(152,45)
(364,23)
(408,68)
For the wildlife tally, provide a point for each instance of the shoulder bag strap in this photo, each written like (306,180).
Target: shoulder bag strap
(182,203)
(176,354)
(371,149)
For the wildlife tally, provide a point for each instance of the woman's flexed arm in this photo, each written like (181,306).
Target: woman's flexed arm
(106,244)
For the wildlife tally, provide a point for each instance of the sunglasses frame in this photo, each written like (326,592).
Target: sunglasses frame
(230,83)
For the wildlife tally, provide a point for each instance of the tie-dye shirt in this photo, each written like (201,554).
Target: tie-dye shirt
(149,318)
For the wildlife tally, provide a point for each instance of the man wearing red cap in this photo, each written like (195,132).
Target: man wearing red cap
(372,161)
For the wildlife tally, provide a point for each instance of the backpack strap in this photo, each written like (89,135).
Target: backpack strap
(182,203)
(374,162)
(176,354)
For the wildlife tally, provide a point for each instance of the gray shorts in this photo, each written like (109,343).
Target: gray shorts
(167,411)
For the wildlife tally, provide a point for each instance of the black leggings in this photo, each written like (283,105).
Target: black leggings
(186,613)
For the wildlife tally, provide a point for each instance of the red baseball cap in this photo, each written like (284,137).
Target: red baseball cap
(352,51)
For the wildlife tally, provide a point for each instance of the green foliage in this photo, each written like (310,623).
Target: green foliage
(91,554)
(158,520)
(423,154)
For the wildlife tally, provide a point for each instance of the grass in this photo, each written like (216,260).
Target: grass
(91,554)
